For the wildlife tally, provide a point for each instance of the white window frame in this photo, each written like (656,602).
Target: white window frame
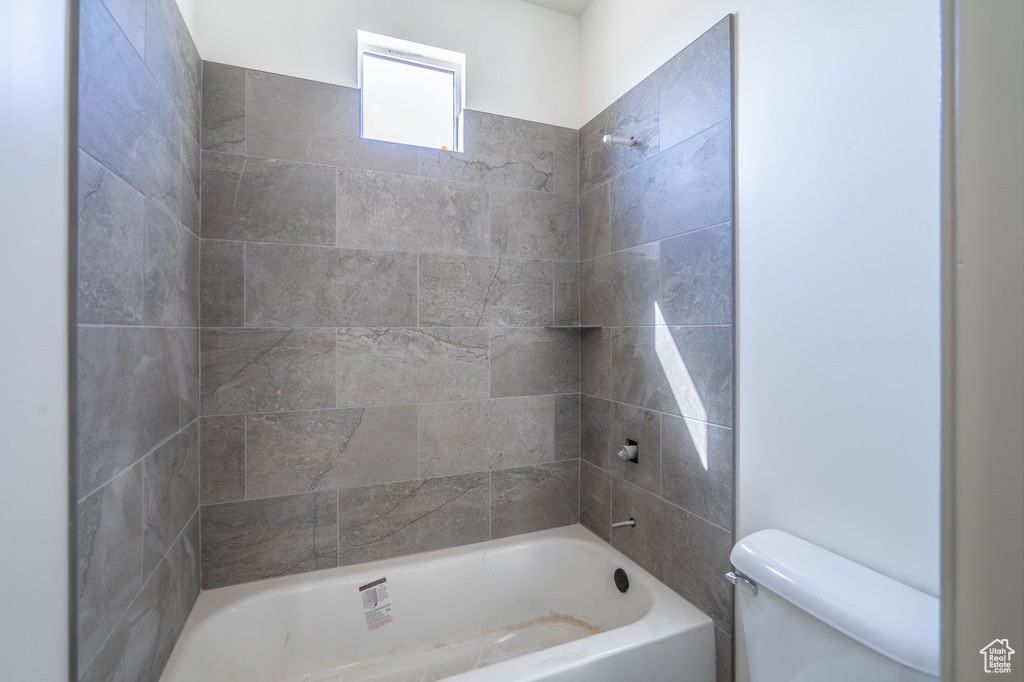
(426,56)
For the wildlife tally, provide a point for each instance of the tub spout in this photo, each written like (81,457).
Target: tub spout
(622,524)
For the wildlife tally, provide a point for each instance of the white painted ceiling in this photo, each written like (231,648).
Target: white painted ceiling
(571,7)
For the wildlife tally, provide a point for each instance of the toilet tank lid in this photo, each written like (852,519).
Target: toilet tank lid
(883,614)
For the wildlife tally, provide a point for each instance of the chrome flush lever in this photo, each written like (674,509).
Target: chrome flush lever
(742,582)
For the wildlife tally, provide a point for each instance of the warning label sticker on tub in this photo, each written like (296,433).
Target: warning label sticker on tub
(376,603)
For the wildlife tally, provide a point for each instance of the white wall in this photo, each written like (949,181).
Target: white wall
(521,60)
(33,307)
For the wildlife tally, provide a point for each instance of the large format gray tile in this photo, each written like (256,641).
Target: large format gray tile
(267,200)
(695,86)
(682,189)
(566,293)
(567,162)
(109,525)
(384,521)
(222,284)
(222,459)
(595,225)
(307,451)
(608,426)
(257,539)
(620,289)
(697,468)
(110,247)
(489,434)
(596,362)
(140,645)
(527,224)
(223,125)
(596,500)
(683,551)
(635,114)
(136,387)
(191,184)
(171,272)
(130,15)
(679,370)
(291,118)
(532,498)
(392,366)
(477,291)
(173,59)
(503,151)
(696,277)
(170,475)
(309,286)
(256,370)
(567,426)
(399,212)
(139,139)
(533,361)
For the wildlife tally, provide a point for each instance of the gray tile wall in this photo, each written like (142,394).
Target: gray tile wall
(138,308)
(656,272)
(378,373)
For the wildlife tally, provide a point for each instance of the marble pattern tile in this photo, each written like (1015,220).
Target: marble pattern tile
(462,437)
(501,151)
(477,291)
(110,247)
(170,476)
(679,370)
(696,277)
(595,222)
(683,551)
(596,362)
(635,114)
(596,500)
(697,469)
(567,162)
(171,271)
(257,539)
(526,224)
(139,140)
(301,120)
(596,417)
(191,185)
(398,212)
(695,86)
(130,15)
(222,459)
(620,289)
(608,426)
(396,519)
(566,293)
(189,569)
(135,387)
(531,361)
(680,190)
(533,498)
(222,284)
(173,59)
(255,370)
(567,426)
(223,124)
(308,286)
(267,200)
(308,451)
(109,526)
(395,366)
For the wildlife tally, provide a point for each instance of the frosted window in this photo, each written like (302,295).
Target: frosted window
(408,103)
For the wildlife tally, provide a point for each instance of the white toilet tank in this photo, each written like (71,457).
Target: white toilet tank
(818,617)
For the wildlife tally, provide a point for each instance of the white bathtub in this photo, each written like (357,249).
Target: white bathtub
(542,606)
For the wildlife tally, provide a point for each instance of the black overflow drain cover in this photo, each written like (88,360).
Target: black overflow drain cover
(621,581)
